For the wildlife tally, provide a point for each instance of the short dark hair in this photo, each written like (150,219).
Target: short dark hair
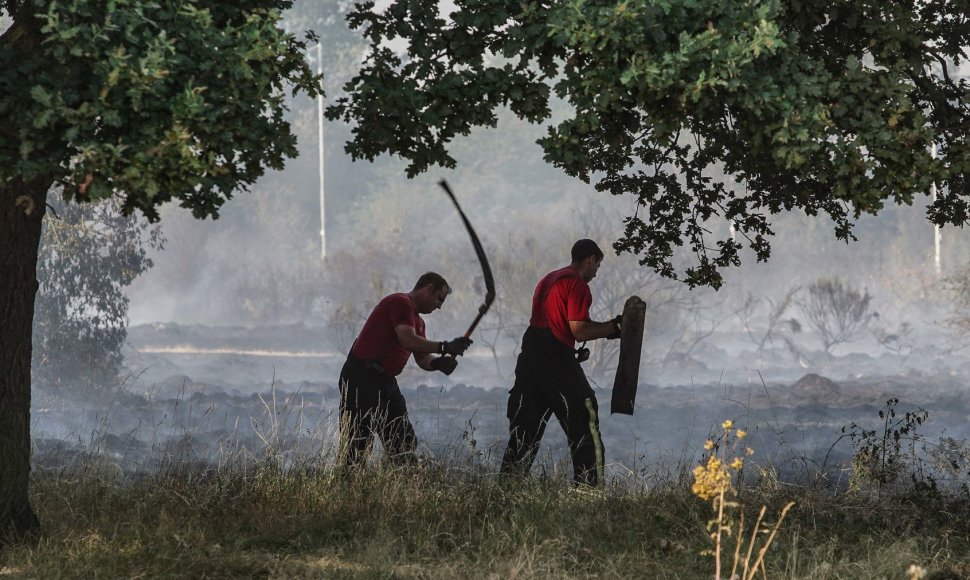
(585,248)
(436,280)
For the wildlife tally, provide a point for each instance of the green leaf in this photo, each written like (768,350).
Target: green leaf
(41,95)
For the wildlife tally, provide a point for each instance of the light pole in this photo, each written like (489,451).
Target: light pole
(323,204)
(937,234)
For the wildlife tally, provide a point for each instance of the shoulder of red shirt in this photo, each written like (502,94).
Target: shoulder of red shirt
(401,304)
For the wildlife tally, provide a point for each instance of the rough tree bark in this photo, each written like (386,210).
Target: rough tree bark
(22,209)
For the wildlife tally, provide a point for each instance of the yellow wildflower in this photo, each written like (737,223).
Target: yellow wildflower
(708,444)
(741,433)
(916,572)
(737,464)
(727,424)
(710,480)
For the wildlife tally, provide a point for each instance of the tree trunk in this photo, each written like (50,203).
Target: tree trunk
(22,208)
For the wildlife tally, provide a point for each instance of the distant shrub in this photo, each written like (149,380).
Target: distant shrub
(958,286)
(895,454)
(837,311)
(88,254)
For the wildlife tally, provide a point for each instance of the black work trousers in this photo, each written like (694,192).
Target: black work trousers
(549,381)
(371,402)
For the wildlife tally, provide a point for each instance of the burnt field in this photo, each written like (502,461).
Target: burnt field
(212,396)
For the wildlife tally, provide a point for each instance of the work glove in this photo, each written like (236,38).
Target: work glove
(445,364)
(456,347)
(616,328)
(582,353)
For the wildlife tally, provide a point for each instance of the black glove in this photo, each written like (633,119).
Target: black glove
(456,347)
(616,328)
(445,364)
(582,354)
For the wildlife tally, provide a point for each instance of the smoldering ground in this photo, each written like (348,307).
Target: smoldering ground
(201,396)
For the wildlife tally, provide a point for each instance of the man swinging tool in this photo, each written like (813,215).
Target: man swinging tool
(548,376)
(370,399)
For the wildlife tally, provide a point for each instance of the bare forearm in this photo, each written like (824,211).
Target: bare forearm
(410,340)
(416,344)
(424,361)
(584,330)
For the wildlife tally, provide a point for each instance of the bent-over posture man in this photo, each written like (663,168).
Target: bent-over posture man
(548,378)
(370,399)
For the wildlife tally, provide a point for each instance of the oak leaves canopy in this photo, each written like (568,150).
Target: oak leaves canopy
(149,101)
(139,101)
(701,109)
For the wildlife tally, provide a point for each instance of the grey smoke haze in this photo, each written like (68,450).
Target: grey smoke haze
(392,228)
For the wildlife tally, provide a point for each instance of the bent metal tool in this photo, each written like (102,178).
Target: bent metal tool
(486,270)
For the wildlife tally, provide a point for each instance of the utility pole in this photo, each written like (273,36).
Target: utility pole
(937,234)
(323,204)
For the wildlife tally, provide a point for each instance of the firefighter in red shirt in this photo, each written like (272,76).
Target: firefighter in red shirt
(370,399)
(548,377)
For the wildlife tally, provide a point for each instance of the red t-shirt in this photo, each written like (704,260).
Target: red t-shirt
(561,296)
(378,341)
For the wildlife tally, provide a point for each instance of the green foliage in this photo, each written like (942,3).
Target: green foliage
(896,453)
(701,110)
(884,454)
(147,101)
(89,253)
